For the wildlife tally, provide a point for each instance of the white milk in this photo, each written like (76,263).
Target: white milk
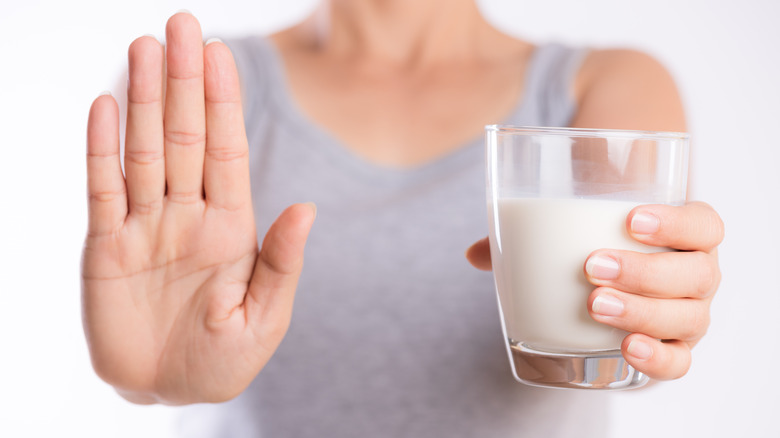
(539,255)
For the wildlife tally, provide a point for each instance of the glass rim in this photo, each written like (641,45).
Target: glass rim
(586,132)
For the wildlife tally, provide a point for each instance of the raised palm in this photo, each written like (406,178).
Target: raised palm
(179,305)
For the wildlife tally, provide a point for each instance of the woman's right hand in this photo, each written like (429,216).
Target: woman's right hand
(179,306)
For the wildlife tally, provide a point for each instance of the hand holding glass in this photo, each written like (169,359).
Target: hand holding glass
(554,196)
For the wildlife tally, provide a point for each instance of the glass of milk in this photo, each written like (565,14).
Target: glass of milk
(554,196)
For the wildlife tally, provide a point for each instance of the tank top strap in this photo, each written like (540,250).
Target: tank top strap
(549,81)
(257,70)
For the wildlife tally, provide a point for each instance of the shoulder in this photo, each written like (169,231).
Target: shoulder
(626,89)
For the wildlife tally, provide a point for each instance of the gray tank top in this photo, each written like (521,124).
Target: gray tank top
(393,333)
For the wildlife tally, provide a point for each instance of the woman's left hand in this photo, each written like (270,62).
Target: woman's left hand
(662,299)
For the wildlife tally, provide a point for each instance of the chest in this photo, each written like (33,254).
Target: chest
(400,117)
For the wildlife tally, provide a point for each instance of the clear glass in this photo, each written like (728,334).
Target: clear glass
(554,196)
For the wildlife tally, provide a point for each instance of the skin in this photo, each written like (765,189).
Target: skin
(181,306)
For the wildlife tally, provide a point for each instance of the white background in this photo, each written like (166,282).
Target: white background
(56,56)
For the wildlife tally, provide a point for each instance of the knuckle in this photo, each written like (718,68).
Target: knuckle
(185,138)
(698,322)
(642,275)
(184,197)
(716,279)
(106,196)
(143,157)
(708,276)
(135,98)
(643,318)
(221,98)
(226,154)
(185,74)
(275,264)
(146,207)
(712,223)
(93,155)
(719,229)
(226,206)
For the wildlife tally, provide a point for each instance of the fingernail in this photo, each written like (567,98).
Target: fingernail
(644,223)
(184,11)
(640,350)
(105,93)
(313,207)
(213,40)
(602,267)
(607,306)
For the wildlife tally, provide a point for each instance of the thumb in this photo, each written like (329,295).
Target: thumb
(272,287)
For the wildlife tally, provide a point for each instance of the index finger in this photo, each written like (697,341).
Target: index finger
(691,227)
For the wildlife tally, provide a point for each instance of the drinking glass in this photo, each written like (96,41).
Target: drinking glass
(554,196)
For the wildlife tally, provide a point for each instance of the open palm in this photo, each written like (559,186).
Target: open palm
(179,305)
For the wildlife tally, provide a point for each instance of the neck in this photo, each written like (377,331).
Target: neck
(403,32)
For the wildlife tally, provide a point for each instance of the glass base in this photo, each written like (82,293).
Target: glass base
(587,370)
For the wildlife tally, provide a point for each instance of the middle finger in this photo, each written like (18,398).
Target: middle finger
(185,113)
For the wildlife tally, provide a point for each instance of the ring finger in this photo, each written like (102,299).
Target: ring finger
(679,318)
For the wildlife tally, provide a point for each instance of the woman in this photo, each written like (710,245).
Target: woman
(374,111)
